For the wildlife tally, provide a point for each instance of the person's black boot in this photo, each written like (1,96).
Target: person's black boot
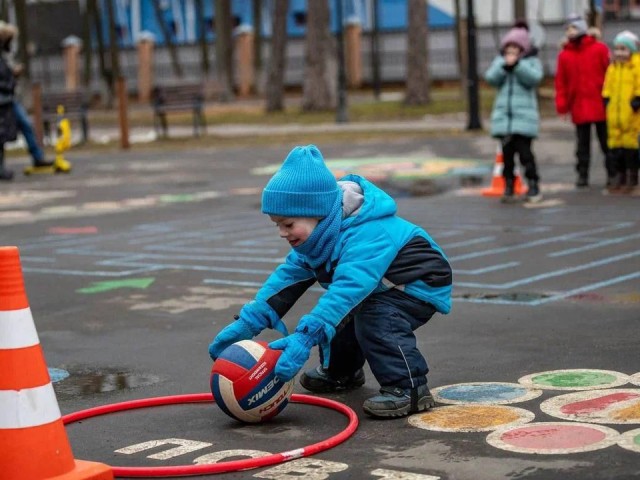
(582,181)
(507,196)
(5,173)
(318,380)
(399,402)
(533,194)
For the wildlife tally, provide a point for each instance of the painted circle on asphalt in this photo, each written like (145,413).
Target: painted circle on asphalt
(470,418)
(553,438)
(630,440)
(617,406)
(575,379)
(635,379)
(57,374)
(495,393)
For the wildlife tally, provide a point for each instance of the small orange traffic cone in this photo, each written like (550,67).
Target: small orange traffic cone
(497,180)
(33,441)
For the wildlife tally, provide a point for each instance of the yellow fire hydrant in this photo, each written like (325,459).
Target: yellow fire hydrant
(63,142)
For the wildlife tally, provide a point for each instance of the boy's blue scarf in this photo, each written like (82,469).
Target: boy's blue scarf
(318,247)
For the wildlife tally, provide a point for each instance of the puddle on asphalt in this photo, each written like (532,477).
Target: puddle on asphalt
(91,382)
(511,296)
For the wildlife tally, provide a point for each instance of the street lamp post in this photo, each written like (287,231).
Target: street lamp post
(472,71)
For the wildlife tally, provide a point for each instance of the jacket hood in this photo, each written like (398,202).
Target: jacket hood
(377,203)
(580,42)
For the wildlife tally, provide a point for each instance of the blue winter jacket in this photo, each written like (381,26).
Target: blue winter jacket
(515,108)
(376,251)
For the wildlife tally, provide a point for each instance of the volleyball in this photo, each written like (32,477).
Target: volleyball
(244,383)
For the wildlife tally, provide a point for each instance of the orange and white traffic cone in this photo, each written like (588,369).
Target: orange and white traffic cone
(496,189)
(33,441)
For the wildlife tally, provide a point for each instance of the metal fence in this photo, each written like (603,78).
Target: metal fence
(49,69)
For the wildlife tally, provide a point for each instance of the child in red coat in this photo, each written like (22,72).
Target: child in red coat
(580,72)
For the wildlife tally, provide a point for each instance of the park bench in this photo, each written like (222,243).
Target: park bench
(175,98)
(75,105)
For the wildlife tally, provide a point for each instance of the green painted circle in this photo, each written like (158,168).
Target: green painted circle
(574,379)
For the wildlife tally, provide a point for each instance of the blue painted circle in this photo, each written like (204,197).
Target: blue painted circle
(482,393)
(57,374)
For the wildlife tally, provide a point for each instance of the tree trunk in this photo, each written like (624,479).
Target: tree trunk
(168,40)
(417,88)
(317,93)
(87,15)
(23,38)
(224,46)
(202,38)
(278,61)
(113,45)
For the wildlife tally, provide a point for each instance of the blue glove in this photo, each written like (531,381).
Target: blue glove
(296,349)
(232,333)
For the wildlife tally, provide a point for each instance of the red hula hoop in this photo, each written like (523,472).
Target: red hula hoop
(223,467)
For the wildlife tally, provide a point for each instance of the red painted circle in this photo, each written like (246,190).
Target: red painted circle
(553,438)
(549,437)
(232,466)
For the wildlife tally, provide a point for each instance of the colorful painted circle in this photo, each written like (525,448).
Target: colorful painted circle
(635,379)
(495,393)
(576,379)
(553,438)
(617,406)
(630,440)
(470,418)
(57,374)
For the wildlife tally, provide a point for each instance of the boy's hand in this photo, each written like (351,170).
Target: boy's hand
(232,333)
(296,349)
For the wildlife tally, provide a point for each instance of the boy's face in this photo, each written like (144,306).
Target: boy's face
(294,230)
(621,53)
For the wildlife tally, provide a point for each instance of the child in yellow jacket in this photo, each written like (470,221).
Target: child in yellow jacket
(621,93)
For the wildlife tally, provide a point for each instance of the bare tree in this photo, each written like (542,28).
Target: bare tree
(316,90)
(417,87)
(278,60)
(168,38)
(224,45)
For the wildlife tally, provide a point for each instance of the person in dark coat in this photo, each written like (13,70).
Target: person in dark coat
(8,124)
(580,72)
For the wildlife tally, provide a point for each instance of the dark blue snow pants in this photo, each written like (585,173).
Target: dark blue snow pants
(380,331)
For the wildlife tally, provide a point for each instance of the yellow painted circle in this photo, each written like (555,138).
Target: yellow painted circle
(470,418)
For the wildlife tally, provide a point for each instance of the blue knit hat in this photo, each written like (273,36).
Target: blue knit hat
(302,187)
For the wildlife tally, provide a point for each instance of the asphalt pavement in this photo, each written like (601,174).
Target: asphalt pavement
(135,259)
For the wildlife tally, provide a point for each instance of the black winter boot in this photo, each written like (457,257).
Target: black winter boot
(507,196)
(5,173)
(533,194)
(583,180)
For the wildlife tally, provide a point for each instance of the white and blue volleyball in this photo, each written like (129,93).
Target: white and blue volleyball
(244,383)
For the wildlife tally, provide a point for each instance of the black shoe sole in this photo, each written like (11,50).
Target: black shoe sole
(428,404)
(327,388)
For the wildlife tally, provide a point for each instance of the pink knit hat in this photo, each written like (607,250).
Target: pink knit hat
(517,36)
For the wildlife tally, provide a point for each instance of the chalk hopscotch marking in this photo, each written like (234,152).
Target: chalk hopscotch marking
(574,379)
(470,418)
(630,440)
(635,379)
(495,393)
(553,438)
(609,406)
